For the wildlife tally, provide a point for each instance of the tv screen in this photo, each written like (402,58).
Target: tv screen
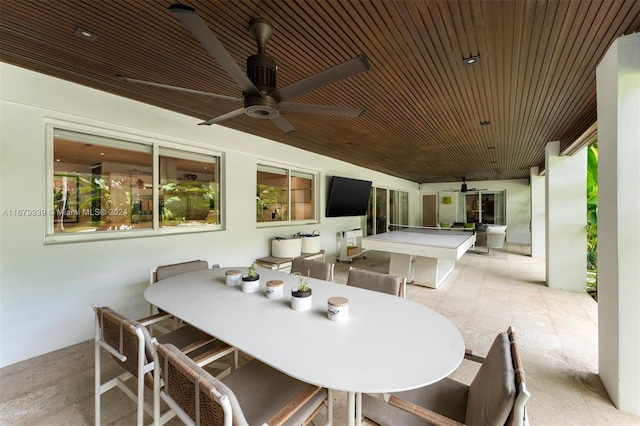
(348,197)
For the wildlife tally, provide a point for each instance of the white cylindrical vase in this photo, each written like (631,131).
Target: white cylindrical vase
(338,308)
(275,289)
(233,277)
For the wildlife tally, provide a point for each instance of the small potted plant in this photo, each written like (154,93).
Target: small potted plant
(301,295)
(251,280)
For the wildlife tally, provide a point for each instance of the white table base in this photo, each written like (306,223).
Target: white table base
(424,271)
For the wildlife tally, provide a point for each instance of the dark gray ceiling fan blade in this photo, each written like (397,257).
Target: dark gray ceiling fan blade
(282,123)
(201,32)
(346,69)
(321,109)
(181,89)
(223,117)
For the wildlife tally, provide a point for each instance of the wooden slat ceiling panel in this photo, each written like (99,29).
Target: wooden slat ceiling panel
(535,81)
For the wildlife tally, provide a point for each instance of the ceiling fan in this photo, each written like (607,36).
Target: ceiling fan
(464,188)
(260,96)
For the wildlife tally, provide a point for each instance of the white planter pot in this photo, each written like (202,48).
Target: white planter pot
(250,286)
(300,303)
(311,244)
(291,247)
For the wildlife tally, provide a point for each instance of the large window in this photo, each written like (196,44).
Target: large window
(189,189)
(105,185)
(285,195)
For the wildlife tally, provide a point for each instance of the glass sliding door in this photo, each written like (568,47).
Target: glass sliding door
(483,207)
(381,210)
(398,207)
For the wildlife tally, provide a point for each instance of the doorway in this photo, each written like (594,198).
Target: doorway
(429,210)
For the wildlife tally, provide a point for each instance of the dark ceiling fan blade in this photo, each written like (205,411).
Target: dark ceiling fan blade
(223,117)
(321,109)
(346,69)
(181,89)
(282,123)
(201,32)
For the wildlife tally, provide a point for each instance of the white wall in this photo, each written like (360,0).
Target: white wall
(46,291)
(517,194)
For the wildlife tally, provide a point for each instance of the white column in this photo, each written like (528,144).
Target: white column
(538,207)
(618,89)
(566,218)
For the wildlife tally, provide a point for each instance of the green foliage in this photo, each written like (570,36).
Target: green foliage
(592,220)
(251,271)
(303,281)
(271,203)
(188,200)
(592,207)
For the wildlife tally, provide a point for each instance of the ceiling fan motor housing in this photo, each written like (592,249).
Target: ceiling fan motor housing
(261,70)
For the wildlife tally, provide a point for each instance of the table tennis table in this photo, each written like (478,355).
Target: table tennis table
(426,256)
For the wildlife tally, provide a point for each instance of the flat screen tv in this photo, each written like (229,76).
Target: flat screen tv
(348,197)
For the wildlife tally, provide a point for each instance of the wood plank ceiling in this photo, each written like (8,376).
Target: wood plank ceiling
(534,83)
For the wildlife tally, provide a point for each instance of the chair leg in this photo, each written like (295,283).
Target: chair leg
(97,381)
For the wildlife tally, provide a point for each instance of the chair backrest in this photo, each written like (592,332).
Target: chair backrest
(315,268)
(193,392)
(166,271)
(495,239)
(375,281)
(518,415)
(497,386)
(124,338)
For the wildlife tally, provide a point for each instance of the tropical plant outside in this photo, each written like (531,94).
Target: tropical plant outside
(592,220)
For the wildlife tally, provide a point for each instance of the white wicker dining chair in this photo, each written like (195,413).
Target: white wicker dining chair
(254,394)
(129,343)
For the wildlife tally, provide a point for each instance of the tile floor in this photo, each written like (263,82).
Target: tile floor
(557,331)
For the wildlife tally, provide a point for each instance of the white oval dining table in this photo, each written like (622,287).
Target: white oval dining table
(388,344)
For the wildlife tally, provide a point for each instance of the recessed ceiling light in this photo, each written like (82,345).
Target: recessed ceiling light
(491,147)
(485,123)
(87,35)
(102,153)
(57,159)
(472,60)
(349,143)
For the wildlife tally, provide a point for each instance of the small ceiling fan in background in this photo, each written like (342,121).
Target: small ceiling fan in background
(260,96)
(463,189)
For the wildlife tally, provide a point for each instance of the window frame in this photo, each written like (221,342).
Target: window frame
(289,168)
(123,136)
